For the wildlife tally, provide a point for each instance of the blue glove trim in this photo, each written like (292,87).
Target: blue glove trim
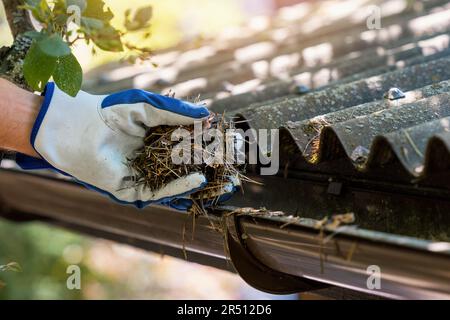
(48,94)
(177,106)
(31,163)
(139,203)
(181,204)
(184,204)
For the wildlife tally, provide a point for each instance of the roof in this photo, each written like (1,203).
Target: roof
(364,119)
(325,89)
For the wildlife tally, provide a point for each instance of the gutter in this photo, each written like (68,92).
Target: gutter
(272,252)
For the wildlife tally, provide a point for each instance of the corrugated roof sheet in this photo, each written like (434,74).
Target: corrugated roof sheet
(322,76)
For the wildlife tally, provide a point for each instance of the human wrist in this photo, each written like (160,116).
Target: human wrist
(18,109)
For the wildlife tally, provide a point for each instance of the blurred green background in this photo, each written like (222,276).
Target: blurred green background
(172,22)
(108,270)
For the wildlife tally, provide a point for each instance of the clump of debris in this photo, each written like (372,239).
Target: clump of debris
(314,128)
(154,165)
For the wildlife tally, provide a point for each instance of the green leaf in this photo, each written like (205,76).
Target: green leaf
(143,15)
(107,39)
(61,19)
(60,6)
(140,19)
(38,67)
(82,4)
(35,35)
(33,3)
(38,8)
(68,75)
(44,10)
(91,23)
(44,5)
(53,45)
(95,10)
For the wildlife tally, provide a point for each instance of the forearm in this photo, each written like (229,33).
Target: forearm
(18,112)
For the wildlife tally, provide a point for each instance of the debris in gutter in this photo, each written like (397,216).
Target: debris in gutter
(335,221)
(154,166)
(256,212)
(292,220)
(314,127)
(413,145)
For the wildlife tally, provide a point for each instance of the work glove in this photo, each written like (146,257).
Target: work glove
(230,186)
(92,137)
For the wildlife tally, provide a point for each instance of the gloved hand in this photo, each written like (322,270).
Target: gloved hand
(90,137)
(226,192)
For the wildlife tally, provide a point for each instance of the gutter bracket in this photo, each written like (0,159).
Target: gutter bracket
(255,272)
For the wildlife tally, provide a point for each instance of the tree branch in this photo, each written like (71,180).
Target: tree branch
(11,58)
(18,19)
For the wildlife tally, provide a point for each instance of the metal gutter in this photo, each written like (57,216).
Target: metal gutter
(268,253)
(410,268)
(66,203)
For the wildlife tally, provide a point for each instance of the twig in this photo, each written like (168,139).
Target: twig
(11,58)
(413,145)
(18,19)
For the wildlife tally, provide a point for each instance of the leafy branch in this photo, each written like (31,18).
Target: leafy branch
(66,22)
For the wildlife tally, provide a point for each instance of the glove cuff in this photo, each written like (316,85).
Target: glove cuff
(31,163)
(48,95)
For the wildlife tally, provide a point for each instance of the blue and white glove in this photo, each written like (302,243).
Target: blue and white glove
(91,138)
(226,192)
